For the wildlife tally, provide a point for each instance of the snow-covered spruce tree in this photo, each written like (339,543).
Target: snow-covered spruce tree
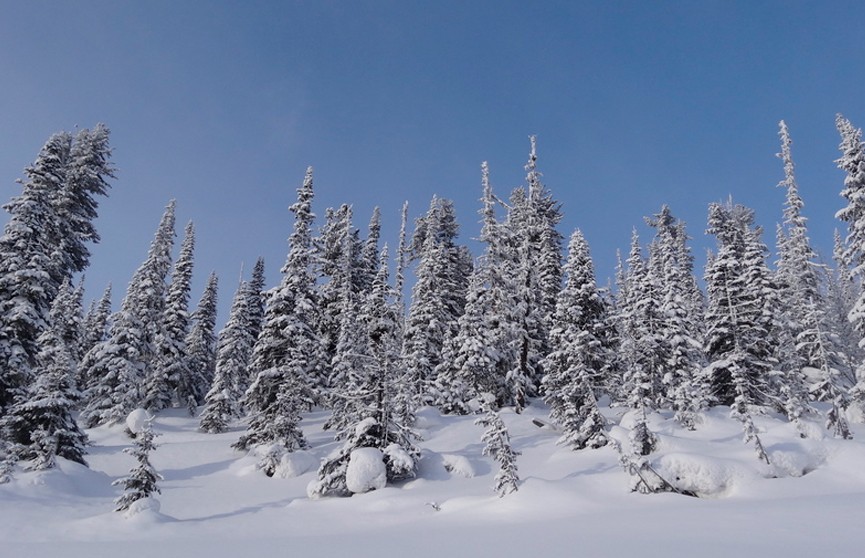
(852,162)
(639,382)
(841,289)
(169,378)
(44,242)
(369,253)
(738,319)
(94,327)
(233,351)
(288,350)
(201,347)
(536,249)
(476,359)
(352,350)
(679,319)
(119,365)
(40,423)
(580,357)
(142,480)
(88,168)
(336,262)
(828,386)
(27,274)
(370,420)
(497,445)
(256,299)
(438,295)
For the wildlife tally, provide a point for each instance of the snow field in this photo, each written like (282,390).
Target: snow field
(215,503)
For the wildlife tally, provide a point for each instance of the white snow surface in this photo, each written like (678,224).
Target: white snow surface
(365,471)
(214,503)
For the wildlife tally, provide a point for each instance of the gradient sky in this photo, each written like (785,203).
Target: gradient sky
(222,105)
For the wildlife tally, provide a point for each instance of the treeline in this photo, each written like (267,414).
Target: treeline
(524,319)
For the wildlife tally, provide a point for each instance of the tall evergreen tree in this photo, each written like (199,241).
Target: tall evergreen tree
(288,350)
(438,295)
(170,376)
(201,346)
(580,357)
(44,242)
(477,359)
(234,348)
(120,364)
(95,325)
(40,423)
(852,162)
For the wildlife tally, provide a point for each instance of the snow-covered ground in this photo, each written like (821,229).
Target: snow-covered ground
(215,503)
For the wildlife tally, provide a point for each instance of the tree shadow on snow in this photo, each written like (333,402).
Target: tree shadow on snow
(242,511)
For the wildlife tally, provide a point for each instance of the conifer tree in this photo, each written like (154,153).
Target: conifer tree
(119,365)
(201,346)
(288,350)
(142,480)
(679,317)
(478,357)
(256,299)
(233,351)
(44,243)
(739,318)
(94,327)
(852,162)
(497,444)
(536,249)
(438,295)
(580,357)
(170,374)
(40,423)
(370,417)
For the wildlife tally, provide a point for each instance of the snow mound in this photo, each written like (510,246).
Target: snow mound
(794,461)
(704,476)
(366,470)
(137,420)
(458,465)
(144,509)
(295,464)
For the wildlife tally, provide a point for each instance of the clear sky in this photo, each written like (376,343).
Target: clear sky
(222,105)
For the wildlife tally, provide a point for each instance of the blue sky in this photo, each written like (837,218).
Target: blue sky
(222,105)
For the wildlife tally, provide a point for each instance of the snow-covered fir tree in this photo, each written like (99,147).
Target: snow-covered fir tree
(536,249)
(40,422)
(169,380)
(738,319)
(679,319)
(45,242)
(476,359)
(288,350)
(497,445)
(438,295)
(94,327)
(581,353)
(233,351)
(640,383)
(143,479)
(852,162)
(201,346)
(370,419)
(119,365)
(840,296)
(337,253)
